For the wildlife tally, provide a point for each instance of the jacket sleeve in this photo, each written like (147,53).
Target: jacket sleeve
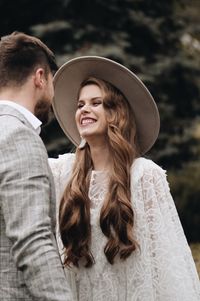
(173,271)
(25,197)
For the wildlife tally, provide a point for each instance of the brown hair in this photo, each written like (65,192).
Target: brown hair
(117,217)
(20,54)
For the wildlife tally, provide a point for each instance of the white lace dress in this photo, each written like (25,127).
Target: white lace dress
(162,270)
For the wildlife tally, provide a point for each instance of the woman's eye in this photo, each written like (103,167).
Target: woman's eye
(80,105)
(96,103)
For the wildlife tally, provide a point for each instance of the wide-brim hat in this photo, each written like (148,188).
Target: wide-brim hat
(67,82)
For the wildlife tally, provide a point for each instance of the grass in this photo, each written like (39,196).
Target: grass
(195,248)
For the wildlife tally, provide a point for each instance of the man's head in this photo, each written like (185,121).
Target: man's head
(23,56)
(20,55)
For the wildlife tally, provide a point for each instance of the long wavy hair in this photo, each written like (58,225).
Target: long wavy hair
(117,216)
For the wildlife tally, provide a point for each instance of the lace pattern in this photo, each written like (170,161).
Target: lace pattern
(162,269)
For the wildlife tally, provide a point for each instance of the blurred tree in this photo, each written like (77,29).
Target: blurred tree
(158,40)
(186,192)
(146,36)
(23,14)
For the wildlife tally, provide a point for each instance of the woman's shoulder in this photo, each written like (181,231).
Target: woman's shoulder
(62,163)
(142,166)
(68,157)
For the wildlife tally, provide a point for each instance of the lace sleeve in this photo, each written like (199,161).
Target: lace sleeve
(173,269)
(61,169)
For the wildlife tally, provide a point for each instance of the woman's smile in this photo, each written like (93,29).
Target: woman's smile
(87,121)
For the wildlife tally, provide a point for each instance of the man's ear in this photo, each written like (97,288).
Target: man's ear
(39,77)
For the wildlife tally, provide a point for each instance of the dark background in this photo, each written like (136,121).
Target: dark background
(159,41)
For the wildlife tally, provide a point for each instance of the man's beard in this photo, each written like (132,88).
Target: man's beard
(43,111)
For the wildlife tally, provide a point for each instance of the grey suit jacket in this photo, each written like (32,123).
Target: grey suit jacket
(30,267)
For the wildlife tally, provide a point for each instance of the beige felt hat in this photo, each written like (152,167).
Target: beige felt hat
(67,81)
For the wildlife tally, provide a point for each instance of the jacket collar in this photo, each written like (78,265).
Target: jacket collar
(11,111)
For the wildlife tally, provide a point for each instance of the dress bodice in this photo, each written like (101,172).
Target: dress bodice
(98,188)
(162,268)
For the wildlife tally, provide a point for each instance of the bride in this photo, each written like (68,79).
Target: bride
(119,232)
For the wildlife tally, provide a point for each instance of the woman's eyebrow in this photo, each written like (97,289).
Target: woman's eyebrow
(93,98)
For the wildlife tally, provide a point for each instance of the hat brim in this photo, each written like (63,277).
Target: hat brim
(67,81)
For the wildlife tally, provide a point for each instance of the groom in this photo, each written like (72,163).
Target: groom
(30,267)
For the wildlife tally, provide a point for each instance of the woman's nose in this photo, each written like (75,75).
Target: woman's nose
(85,108)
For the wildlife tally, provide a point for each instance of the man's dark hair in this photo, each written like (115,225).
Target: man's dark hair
(20,55)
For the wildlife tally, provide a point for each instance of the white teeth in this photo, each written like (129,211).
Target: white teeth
(87,121)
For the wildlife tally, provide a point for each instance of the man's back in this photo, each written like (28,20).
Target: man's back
(30,265)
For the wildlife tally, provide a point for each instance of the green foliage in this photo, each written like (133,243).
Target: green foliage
(22,14)
(145,36)
(186,191)
(195,248)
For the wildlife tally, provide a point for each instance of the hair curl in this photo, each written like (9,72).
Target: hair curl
(117,216)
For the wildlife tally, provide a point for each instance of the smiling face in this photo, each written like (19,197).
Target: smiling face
(90,115)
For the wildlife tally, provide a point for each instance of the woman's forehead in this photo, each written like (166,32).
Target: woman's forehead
(90,91)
